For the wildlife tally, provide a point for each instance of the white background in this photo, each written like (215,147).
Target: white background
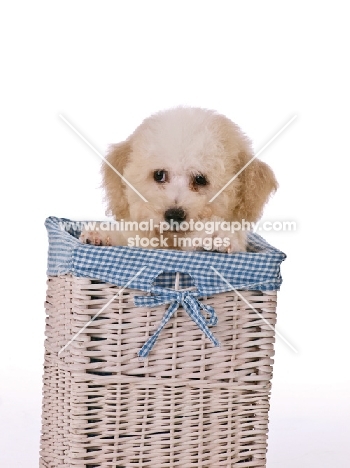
(107,65)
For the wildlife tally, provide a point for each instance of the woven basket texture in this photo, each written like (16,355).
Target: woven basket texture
(189,404)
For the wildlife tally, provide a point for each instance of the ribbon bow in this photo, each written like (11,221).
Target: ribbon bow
(188,300)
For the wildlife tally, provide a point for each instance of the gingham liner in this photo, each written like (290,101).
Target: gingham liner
(256,269)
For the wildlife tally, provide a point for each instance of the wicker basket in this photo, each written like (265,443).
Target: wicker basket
(188,404)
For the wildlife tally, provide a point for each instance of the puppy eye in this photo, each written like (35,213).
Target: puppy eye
(200,179)
(160,176)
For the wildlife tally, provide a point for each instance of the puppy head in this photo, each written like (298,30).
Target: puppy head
(178,160)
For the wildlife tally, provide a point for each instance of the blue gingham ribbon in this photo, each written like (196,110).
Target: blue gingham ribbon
(188,300)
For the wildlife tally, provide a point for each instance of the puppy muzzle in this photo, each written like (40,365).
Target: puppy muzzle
(175,215)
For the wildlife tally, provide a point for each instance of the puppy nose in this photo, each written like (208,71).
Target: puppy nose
(175,214)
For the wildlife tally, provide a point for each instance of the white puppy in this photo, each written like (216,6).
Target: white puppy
(178,160)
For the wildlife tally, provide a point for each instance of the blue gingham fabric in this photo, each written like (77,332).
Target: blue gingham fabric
(188,300)
(154,271)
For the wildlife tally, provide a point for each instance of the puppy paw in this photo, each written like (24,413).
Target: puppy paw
(221,241)
(95,238)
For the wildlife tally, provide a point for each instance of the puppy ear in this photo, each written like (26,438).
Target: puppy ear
(256,183)
(117,157)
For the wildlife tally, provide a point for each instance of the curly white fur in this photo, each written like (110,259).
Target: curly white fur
(185,146)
